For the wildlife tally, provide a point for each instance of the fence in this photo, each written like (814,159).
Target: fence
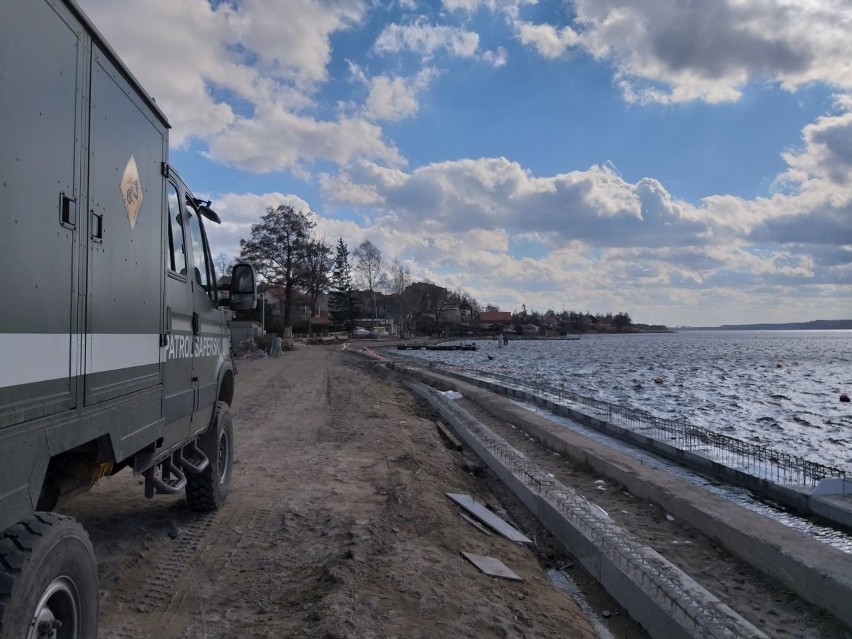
(752,459)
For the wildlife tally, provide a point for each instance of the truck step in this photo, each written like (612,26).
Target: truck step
(172,481)
(192,459)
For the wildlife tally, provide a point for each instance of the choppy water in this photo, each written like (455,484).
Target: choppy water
(775,388)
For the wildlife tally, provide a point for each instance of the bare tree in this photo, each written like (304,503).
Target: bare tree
(223,263)
(398,280)
(369,269)
(399,277)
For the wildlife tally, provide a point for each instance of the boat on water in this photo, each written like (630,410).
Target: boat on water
(437,347)
(451,347)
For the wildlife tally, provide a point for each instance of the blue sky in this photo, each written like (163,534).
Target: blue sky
(687,162)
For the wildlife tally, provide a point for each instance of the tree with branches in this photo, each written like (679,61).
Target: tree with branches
(398,280)
(340,295)
(278,249)
(318,264)
(369,269)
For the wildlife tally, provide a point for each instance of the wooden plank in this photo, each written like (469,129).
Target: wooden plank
(491,566)
(488,518)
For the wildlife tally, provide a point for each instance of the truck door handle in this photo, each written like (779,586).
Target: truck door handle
(97,226)
(68,211)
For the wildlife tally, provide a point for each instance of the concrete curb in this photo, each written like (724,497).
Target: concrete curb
(675,608)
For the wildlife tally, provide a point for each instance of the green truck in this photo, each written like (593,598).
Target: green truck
(115,352)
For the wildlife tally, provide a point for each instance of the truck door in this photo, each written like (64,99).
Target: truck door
(210,335)
(41,120)
(127,153)
(179,389)
(195,332)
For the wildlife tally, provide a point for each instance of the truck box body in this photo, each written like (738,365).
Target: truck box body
(110,336)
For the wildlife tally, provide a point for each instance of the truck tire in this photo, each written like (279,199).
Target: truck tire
(48,574)
(207,490)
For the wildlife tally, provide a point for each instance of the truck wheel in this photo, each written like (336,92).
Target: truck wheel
(207,490)
(48,580)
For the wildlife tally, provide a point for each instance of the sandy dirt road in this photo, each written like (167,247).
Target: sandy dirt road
(337,525)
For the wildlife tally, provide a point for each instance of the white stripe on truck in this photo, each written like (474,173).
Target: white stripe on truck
(38,357)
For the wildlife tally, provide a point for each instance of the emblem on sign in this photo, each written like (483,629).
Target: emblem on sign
(131,191)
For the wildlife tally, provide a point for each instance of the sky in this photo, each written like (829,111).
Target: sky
(688,162)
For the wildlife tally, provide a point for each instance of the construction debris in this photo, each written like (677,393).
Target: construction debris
(492,567)
(489,518)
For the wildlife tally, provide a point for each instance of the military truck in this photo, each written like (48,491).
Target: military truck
(114,352)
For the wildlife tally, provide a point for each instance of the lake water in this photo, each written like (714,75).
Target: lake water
(779,389)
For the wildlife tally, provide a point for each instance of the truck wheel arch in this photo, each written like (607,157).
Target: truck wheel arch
(226,386)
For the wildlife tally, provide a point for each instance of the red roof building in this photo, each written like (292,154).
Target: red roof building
(495,317)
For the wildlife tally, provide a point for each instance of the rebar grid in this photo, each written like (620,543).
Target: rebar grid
(663,581)
(752,459)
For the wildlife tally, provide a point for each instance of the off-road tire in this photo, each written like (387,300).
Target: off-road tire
(207,490)
(48,570)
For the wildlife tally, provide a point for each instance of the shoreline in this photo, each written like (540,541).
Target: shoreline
(829,582)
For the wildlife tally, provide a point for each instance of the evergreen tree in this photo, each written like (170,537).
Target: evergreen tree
(341,285)
(622,321)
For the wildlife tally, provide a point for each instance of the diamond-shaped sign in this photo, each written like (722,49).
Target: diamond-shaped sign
(131,191)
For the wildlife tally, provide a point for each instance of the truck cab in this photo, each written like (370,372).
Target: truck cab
(114,341)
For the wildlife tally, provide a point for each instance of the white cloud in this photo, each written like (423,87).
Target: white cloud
(674,51)
(426,40)
(341,188)
(509,7)
(814,209)
(277,139)
(547,40)
(429,40)
(827,155)
(496,58)
(292,37)
(596,206)
(395,98)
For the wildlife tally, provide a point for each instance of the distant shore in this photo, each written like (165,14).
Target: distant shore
(815,325)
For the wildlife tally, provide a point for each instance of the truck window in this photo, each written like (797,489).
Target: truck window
(202,266)
(175,252)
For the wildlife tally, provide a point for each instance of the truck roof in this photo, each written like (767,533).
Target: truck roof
(110,52)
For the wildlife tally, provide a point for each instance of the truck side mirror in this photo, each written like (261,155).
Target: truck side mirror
(243,291)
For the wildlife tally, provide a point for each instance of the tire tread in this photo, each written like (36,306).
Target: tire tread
(201,491)
(16,545)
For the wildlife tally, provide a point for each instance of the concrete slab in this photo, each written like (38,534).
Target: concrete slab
(488,518)
(836,508)
(492,567)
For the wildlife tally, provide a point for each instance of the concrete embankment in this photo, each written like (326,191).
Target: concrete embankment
(666,601)
(816,572)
